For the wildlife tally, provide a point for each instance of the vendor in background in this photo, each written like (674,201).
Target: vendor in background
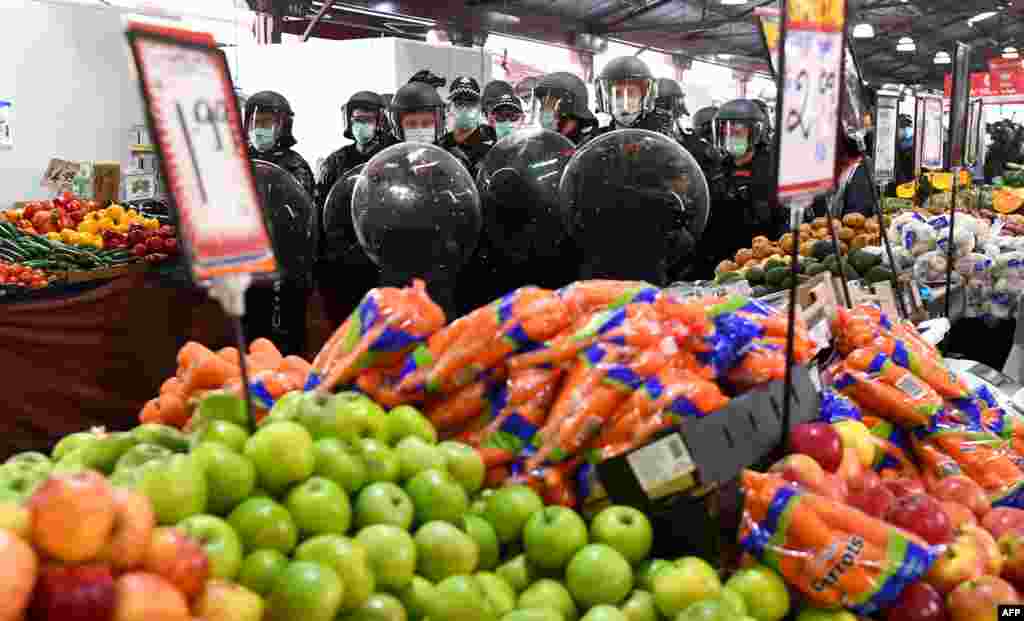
(904,150)
(366,125)
(560,105)
(503,109)
(417,113)
(268,126)
(469,140)
(627,90)
(1007,147)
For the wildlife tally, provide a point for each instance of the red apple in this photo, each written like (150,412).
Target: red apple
(959,515)
(918,602)
(79,592)
(833,487)
(18,569)
(922,515)
(961,561)
(1001,520)
(148,597)
(991,555)
(800,469)
(964,491)
(977,600)
(178,559)
(904,486)
(820,441)
(1011,545)
(867,493)
(133,527)
(73,515)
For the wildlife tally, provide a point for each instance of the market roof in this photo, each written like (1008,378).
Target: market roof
(700,29)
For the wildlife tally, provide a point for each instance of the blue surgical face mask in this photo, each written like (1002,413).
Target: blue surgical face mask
(363,131)
(737,146)
(906,137)
(262,138)
(547,120)
(467,118)
(504,128)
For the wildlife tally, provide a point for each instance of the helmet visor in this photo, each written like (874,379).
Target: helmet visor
(426,125)
(736,137)
(626,99)
(264,127)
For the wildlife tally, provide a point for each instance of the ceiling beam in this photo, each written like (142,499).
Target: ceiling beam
(316,19)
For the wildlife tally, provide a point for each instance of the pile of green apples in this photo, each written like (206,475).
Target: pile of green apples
(333,508)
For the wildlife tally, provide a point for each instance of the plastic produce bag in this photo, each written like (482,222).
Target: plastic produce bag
(912,234)
(963,241)
(930,269)
(834,554)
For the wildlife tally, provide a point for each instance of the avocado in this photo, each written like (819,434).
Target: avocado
(815,269)
(879,274)
(755,275)
(822,249)
(774,277)
(729,277)
(773,264)
(831,263)
(863,261)
(787,282)
(848,271)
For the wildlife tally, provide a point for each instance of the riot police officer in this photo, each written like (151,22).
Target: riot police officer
(366,125)
(524,91)
(268,128)
(704,123)
(560,105)
(469,140)
(503,109)
(671,104)
(417,113)
(627,90)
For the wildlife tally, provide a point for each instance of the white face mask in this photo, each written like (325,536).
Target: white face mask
(423,134)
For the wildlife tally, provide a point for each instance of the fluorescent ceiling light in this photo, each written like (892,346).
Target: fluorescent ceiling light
(980,17)
(724,56)
(1011,53)
(863,31)
(733,2)
(906,44)
(943,58)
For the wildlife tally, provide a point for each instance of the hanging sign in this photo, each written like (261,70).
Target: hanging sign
(769,21)
(6,133)
(975,113)
(1007,80)
(886,128)
(930,128)
(808,111)
(981,85)
(958,107)
(194,117)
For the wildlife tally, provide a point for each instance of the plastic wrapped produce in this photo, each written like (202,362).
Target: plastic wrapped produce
(930,269)
(963,241)
(913,234)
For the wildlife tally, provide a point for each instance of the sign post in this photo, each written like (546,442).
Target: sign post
(884,171)
(810,69)
(194,117)
(958,110)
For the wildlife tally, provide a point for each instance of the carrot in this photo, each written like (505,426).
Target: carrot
(931,370)
(262,345)
(190,353)
(172,384)
(850,520)
(150,413)
(262,361)
(889,401)
(493,456)
(460,407)
(585,296)
(210,371)
(230,355)
(172,409)
(380,384)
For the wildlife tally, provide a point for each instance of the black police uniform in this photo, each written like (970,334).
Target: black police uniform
(282,153)
(474,147)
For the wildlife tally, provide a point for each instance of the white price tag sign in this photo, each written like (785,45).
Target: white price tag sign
(931,152)
(812,65)
(195,119)
(886,126)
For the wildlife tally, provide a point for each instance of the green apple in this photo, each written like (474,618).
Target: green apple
(222,405)
(625,529)
(261,523)
(306,591)
(230,477)
(19,480)
(314,412)
(464,464)
(481,531)
(348,559)
(379,607)
(140,454)
(384,503)
(29,457)
(735,601)
(547,593)
(461,598)
(517,572)
(340,462)
(534,614)
(763,591)
(16,517)
(164,435)
(283,455)
(707,610)
(416,455)
(406,421)
(443,550)
(640,607)
(285,408)
(260,569)
(319,507)
(357,417)
(437,496)
(381,461)
(498,592)
(688,580)
(819,614)
(478,503)
(104,451)
(418,597)
(509,509)
(222,545)
(71,442)
(224,601)
(552,536)
(129,478)
(176,486)
(646,571)
(599,574)
(392,555)
(223,432)
(604,612)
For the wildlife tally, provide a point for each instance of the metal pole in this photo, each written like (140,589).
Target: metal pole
(316,19)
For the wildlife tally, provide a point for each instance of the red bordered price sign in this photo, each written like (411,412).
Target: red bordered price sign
(194,117)
(811,69)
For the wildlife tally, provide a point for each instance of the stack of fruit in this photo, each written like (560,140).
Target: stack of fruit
(42,217)
(152,244)
(16,275)
(332,509)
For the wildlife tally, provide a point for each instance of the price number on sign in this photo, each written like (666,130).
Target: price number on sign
(193,120)
(803,117)
(828,14)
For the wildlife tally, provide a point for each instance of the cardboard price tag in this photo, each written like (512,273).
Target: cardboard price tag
(886,127)
(195,119)
(931,149)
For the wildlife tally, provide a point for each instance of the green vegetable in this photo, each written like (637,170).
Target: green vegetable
(755,275)
(774,263)
(774,277)
(863,261)
(815,269)
(822,249)
(879,274)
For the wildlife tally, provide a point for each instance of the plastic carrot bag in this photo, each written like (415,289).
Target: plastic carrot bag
(522,407)
(834,554)
(586,296)
(836,407)
(909,355)
(878,384)
(763,361)
(386,325)
(893,449)
(738,323)
(517,322)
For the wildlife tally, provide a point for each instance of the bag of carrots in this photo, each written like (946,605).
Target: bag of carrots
(836,407)
(834,554)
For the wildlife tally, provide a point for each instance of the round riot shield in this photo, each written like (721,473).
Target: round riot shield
(518,184)
(416,210)
(339,236)
(637,202)
(291,219)
(344,273)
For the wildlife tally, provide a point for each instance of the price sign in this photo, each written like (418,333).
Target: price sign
(770,24)
(812,67)
(931,147)
(194,116)
(886,122)
(974,116)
